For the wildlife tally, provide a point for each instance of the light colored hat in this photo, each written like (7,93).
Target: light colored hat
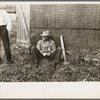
(45,33)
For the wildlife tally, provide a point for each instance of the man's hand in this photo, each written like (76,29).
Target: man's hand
(9,27)
(48,54)
(44,54)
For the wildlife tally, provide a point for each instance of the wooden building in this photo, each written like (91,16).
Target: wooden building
(78,23)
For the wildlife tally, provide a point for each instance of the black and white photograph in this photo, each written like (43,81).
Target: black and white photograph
(49,42)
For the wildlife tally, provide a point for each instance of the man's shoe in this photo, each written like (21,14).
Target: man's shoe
(1,62)
(10,62)
(55,64)
(35,63)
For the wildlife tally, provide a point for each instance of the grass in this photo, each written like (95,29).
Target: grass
(84,65)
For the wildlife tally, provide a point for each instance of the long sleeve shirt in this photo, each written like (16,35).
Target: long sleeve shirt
(48,46)
(5,19)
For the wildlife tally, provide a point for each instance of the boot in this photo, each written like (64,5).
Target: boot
(10,62)
(1,62)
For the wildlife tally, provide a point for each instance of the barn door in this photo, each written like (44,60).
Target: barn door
(23,25)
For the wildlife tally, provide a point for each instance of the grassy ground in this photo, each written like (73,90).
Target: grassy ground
(79,68)
(84,65)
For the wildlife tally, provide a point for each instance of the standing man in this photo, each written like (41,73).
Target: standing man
(5,26)
(45,48)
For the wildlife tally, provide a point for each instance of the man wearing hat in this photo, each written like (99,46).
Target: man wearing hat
(45,48)
(5,26)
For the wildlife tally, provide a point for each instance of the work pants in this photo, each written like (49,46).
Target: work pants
(5,39)
(36,55)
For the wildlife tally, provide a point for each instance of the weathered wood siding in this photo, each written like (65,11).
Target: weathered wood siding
(78,23)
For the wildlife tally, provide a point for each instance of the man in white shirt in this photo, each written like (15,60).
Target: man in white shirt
(5,26)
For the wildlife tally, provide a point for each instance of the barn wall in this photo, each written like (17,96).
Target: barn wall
(78,23)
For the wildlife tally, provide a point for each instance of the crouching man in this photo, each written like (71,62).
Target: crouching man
(45,48)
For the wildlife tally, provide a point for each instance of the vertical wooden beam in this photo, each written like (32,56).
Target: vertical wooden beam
(22,27)
(63,49)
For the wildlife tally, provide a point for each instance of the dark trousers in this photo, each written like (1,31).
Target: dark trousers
(36,55)
(5,39)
